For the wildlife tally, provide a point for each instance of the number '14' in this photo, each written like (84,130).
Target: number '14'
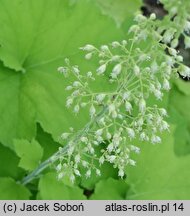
(178,207)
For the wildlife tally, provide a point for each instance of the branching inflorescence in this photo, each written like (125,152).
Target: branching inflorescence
(139,70)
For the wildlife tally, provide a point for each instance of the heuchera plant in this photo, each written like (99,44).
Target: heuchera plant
(138,69)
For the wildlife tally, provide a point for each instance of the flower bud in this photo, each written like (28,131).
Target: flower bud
(187,42)
(136,70)
(88,48)
(128,106)
(101,69)
(92,111)
(142,105)
(153,16)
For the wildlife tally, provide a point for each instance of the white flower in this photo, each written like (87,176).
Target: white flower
(68,88)
(166,85)
(155,139)
(185,71)
(99,139)
(101,160)
(76,84)
(172,52)
(121,173)
(76,70)
(116,71)
(136,70)
(179,58)
(84,164)
(169,60)
(88,173)
(140,18)
(98,173)
(142,105)
(108,136)
(144,137)
(174,43)
(126,95)
(69,102)
(89,74)
(91,150)
(99,132)
(131,133)
(88,48)
(60,175)
(63,70)
(110,147)
(77,158)
(72,178)
(111,158)
(76,109)
(135,149)
(158,94)
(124,42)
(153,16)
(115,58)
(111,108)
(115,44)
(114,114)
(173,10)
(187,26)
(101,69)
(168,36)
(104,48)
(65,135)
(128,106)
(187,42)
(84,139)
(134,28)
(88,56)
(67,61)
(163,112)
(77,172)
(154,67)
(132,162)
(70,150)
(164,126)
(100,97)
(140,122)
(92,111)
(59,167)
(76,93)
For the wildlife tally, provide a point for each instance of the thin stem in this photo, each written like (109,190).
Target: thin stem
(36,173)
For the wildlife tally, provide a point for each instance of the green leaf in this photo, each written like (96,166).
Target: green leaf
(159,173)
(48,144)
(9,163)
(110,189)
(181,102)
(182,130)
(52,189)
(35,43)
(179,105)
(183,86)
(121,9)
(29,152)
(10,190)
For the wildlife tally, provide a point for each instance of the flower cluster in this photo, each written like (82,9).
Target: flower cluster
(137,71)
(176,25)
